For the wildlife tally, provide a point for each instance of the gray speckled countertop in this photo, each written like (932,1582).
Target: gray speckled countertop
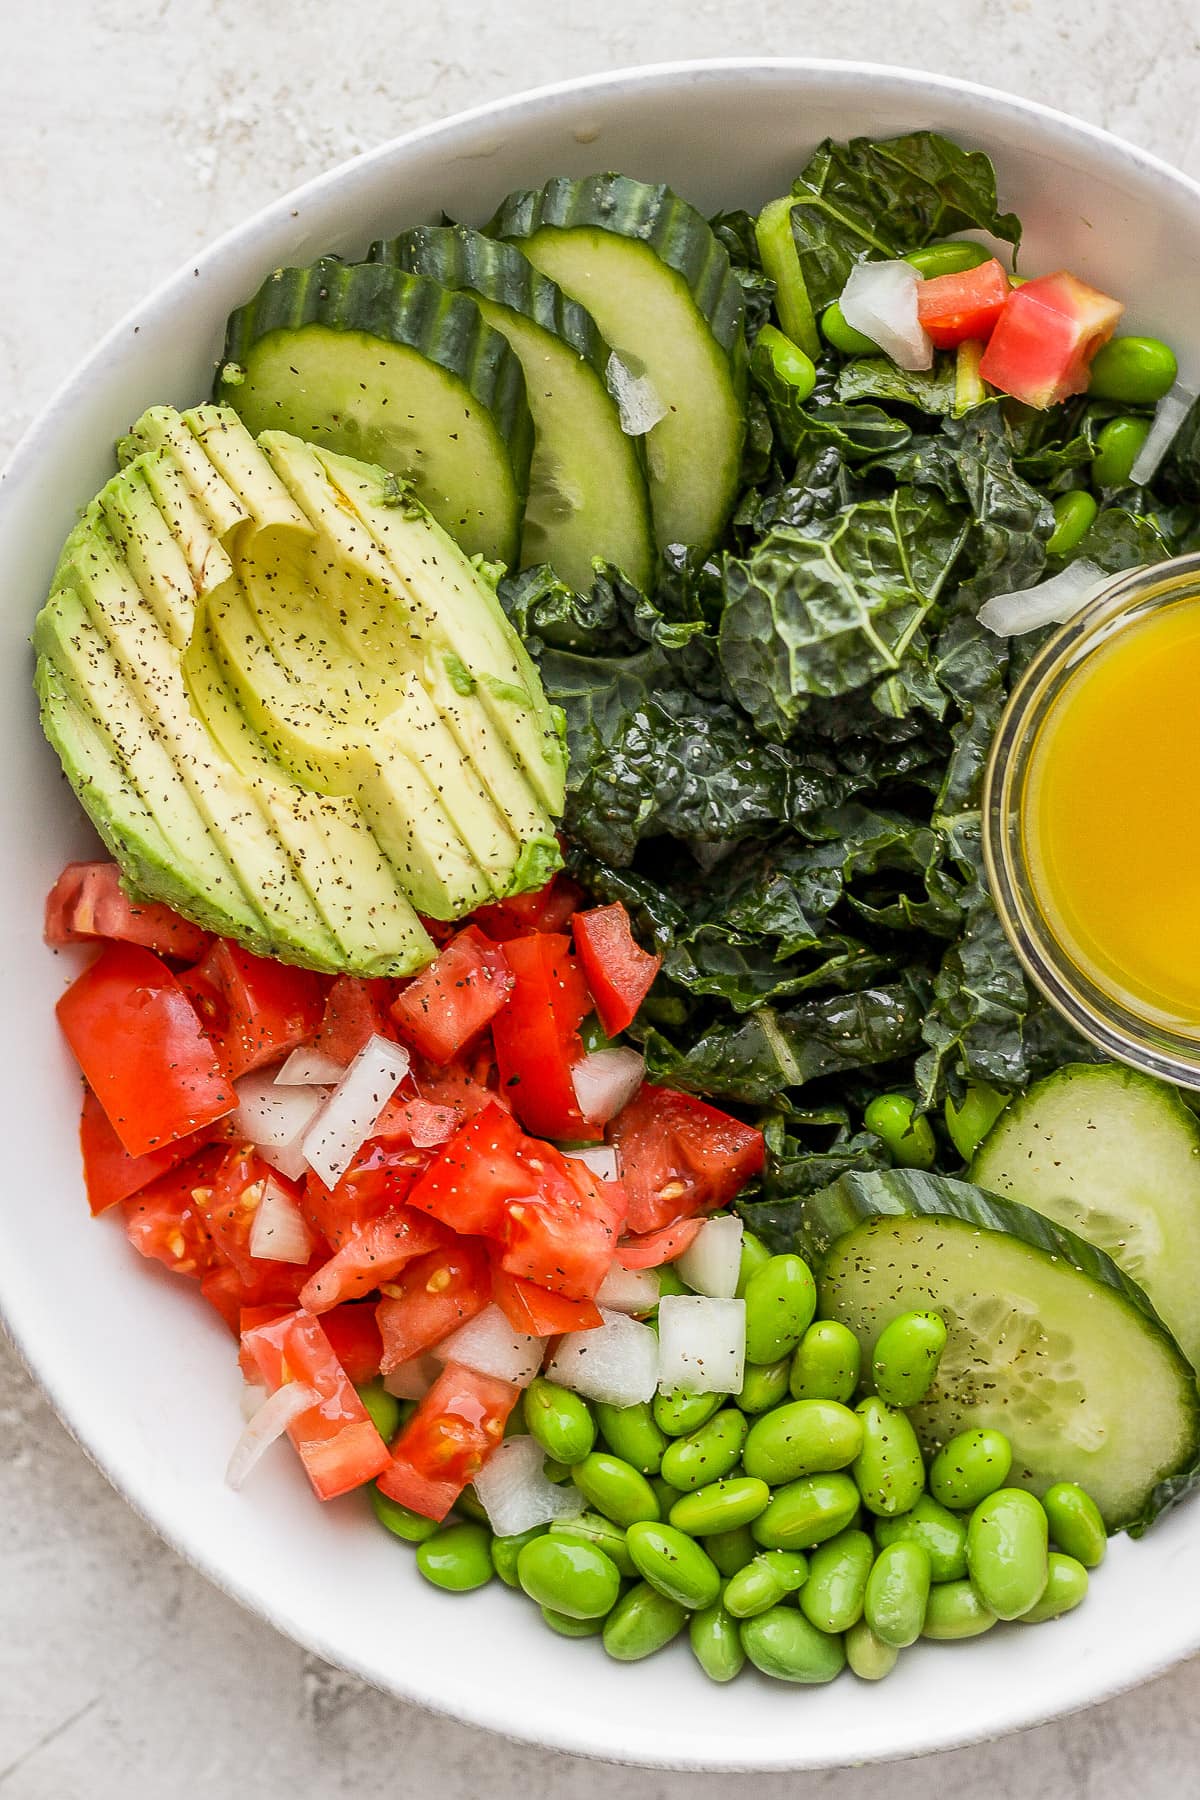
(130,133)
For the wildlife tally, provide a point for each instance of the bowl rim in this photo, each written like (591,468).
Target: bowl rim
(22,466)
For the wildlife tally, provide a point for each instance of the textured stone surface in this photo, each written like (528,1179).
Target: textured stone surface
(130,133)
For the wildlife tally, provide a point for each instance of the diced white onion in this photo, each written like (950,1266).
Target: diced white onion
(306,1066)
(488,1344)
(275,1119)
(616,1362)
(252,1396)
(350,1113)
(601,1159)
(413,1378)
(712,1261)
(637,401)
(1049,602)
(1171,411)
(605,1081)
(632,1291)
(880,300)
(269,1422)
(517,1494)
(702,1344)
(279,1231)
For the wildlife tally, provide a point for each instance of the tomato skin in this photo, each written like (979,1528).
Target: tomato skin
(535,1310)
(376,1253)
(680,1156)
(337,1443)
(448,1439)
(480,1169)
(953,308)
(537,1035)
(618,971)
(254,1009)
(650,1249)
(431,1298)
(1042,347)
(111,1174)
(451,1001)
(355,1010)
(138,1041)
(162,1219)
(547,909)
(563,1237)
(229,1202)
(88,902)
(379,1179)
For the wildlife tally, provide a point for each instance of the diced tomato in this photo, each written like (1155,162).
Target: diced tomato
(431,1298)
(138,1041)
(451,1001)
(111,1174)
(355,1010)
(379,1178)
(537,1035)
(87,901)
(617,970)
(953,308)
(464,1086)
(274,1284)
(376,1253)
(417,1123)
(477,1172)
(448,1439)
(254,1009)
(1042,347)
(354,1333)
(249,1319)
(533,1309)
(338,1445)
(228,1204)
(546,909)
(650,1249)
(163,1221)
(680,1156)
(563,1237)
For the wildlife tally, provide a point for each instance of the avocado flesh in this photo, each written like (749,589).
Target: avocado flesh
(235,677)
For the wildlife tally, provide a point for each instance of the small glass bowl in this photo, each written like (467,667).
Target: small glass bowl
(1101,1016)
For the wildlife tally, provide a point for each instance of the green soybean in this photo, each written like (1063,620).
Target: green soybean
(1117,447)
(401,1521)
(906,1134)
(642,1621)
(708,1454)
(972,1118)
(827,1363)
(1137,371)
(631,1433)
(898,1593)
(889,1468)
(970,1467)
(560,1421)
(569,1627)
(674,1563)
(678,1412)
(764,1386)
(949,256)
(719,1507)
(843,337)
(457,1558)
(716,1642)
(783,1644)
(555,1471)
(731,1550)
(596,1532)
(664,1493)
(832,1597)
(506,1550)
(868,1656)
(805,1437)
(1075,1523)
(669,1282)
(786,359)
(754,1255)
(615,1488)
(1007,1552)
(906,1357)
(470,1506)
(383,1409)
(955,1611)
(770,1578)
(1074,515)
(1066,1587)
(781,1299)
(575,1579)
(806,1512)
(941,1533)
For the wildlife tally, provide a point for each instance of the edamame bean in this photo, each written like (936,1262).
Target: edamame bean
(675,1564)
(1066,1587)
(942,1533)
(782,1643)
(1007,1552)
(470,1506)
(615,1488)
(719,1507)
(401,1521)
(970,1121)
(731,1550)
(1074,515)
(843,337)
(641,1622)
(708,1454)
(1117,447)
(905,1133)
(678,1412)
(827,1363)
(754,1255)
(505,1551)
(869,1658)
(1075,1523)
(559,1420)
(664,1493)
(716,1643)
(383,1409)
(806,1512)
(781,1299)
(631,1433)
(457,1558)
(898,1593)
(575,1579)
(805,1437)
(770,1578)
(832,1597)
(949,256)
(1137,371)
(572,1628)
(906,1358)
(786,359)
(555,1471)
(669,1282)
(764,1386)
(955,1611)
(970,1467)
(596,1532)
(889,1468)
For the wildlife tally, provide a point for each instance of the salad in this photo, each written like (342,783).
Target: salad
(547,997)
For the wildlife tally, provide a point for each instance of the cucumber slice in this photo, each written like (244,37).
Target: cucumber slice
(1115,1156)
(658,284)
(587,481)
(391,368)
(1048,1340)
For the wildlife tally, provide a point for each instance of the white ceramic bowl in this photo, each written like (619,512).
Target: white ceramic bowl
(139,1369)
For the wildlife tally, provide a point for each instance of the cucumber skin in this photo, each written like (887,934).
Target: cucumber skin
(854,1199)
